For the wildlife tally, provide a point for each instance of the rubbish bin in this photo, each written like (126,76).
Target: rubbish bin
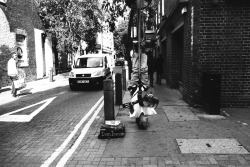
(211,92)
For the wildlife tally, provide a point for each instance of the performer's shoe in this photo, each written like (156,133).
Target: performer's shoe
(132,89)
(129,106)
(144,87)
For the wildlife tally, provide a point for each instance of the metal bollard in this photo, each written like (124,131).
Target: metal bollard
(108,91)
(118,89)
(51,74)
(124,80)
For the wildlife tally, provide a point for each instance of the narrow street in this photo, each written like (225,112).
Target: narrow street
(56,127)
(36,125)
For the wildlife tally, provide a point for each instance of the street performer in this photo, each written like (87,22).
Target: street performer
(142,102)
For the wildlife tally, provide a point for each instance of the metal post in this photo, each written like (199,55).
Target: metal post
(118,89)
(108,90)
(51,74)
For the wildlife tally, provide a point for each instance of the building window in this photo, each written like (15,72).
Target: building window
(21,50)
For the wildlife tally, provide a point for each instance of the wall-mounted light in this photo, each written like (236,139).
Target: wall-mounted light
(183,10)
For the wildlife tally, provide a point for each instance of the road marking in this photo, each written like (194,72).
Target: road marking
(10,117)
(68,154)
(66,142)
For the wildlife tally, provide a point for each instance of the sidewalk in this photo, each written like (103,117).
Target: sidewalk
(33,87)
(178,136)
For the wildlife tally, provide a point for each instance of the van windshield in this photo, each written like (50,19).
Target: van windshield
(89,62)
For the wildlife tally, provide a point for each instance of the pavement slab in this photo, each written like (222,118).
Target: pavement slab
(211,146)
(179,113)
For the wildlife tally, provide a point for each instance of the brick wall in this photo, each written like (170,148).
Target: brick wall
(22,14)
(187,68)
(225,48)
(218,42)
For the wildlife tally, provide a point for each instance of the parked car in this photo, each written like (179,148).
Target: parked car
(89,70)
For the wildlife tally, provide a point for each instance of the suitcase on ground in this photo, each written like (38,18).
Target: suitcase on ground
(112,131)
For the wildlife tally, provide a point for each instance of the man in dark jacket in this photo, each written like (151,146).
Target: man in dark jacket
(159,68)
(151,67)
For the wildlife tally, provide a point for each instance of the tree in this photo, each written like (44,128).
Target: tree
(71,21)
(119,33)
(117,9)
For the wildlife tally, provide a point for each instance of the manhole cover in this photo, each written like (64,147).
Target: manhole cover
(211,146)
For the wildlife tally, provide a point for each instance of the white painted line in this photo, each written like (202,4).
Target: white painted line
(65,143)
(10,117)
(68,154)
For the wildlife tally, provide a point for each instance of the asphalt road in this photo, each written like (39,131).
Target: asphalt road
(43,123)
(39,129)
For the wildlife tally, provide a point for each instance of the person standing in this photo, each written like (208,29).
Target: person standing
(13,72)
(159,68)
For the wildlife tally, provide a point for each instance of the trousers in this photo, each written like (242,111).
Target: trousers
(139,70)
(13,89)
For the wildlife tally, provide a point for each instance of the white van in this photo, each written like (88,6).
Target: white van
(89,70)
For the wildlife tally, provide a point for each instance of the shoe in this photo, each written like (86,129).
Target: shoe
(144,87)
(129,106)
(132,89)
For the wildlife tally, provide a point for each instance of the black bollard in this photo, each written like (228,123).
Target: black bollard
(108,91)
(118,89)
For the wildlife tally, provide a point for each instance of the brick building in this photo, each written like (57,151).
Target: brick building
(21,30)
(201,37)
